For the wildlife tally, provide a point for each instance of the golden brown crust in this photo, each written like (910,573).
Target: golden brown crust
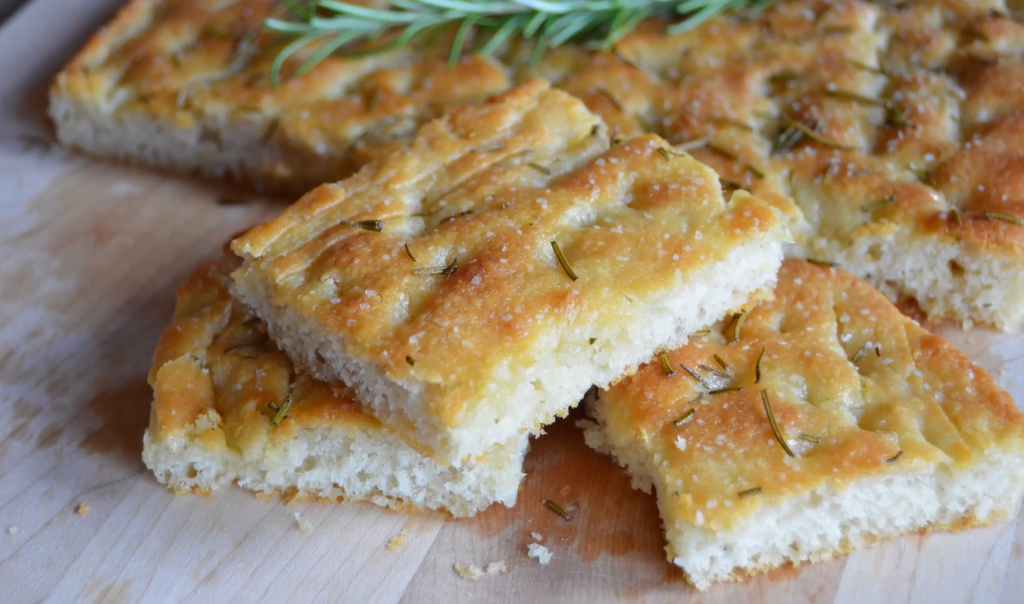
(492,187)
(216,356)
(842,365)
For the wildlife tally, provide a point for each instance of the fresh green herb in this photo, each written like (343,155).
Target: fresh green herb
(665,365)
(664,154)
(695,376)
(719,360)
(894,458)
(714,371)
(280,412)
(750,492)
(1004,218)
(447,271)
(337,25)
(757,366)
(644,124)
(956,216)
(810,438)
(812,133)
(457,215)
(729,389)
(686,417)
(774,425)
(700,333)
(739,325)
(542,169)
(554,507)
(408,252)
(562,261)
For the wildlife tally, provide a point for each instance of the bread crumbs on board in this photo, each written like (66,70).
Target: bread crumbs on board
(82,509)
(304,525)
(397,541)
(539,553)
(475,573)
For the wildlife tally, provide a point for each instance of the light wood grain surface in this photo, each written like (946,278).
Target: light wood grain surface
(90,255)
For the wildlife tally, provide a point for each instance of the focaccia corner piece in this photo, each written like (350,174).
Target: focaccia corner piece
(431,281)
(217,380)
(891,430)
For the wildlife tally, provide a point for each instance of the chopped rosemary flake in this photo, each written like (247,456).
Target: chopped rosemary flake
(786,140)
(554,507)
(739,325)
(757,366)
(878,350)
(232,201)
(895,116)
(280,412)
(719,360)
(611,99)
(810,438)
(860,354)
(664,154)
(458,215)
(1004,218)
(729,389)
(774,425)
(701,333)
(665,365)
(542,169)
(447,271)
(956,217)
(697,399)
(561,260)
(694,144)
(376,226)
(725,121)
(408,253)
(881,203)
(895,457)
(726,153)
(814,135)
(592,340)
(713,371)
(825,263)
(410,360)
(685,418)
(644,124)
(695,376)
(749,492)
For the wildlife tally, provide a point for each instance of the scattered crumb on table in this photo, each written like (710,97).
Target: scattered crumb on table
(539,553)
(397,541)
(537,536)
(495,568)
(12,530)
(471,572)
(304,525)
(82,509)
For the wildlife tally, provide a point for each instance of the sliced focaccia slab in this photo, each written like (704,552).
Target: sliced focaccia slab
(820,422)
(229,408)
(473,285)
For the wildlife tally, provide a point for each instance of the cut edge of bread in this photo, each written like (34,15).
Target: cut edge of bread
(335,463)
(549,387)
(831,519)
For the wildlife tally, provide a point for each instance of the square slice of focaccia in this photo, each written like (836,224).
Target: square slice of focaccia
(229,407)
(473,285)
(880,428)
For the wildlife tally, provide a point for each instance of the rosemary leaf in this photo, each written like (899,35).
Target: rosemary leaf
(739,325)
(956,217)
(814,135)
(750,492)
(695,376)
(562,261)
(447,271)
(774,425)
(896,457)
(410,360)
(810,438)
(664,154)
(757,366)
(701,333)
(859,354)
(665,365)
(719,360)
(554,507)
(1004,218)
(408,252)
(729,389)
(686,417)
(281,411)
(376,226)
(542,169)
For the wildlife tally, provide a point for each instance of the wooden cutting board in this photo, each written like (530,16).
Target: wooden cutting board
(90,255)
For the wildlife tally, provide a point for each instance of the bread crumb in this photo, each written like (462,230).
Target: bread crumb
(496,568)
(397,541)
(539,553)
(12,530)
(82,509)
(537,536)
(304,525)
(471,572)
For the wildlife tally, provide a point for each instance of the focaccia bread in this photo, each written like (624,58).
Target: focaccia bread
(891,430)
(911,176)
(230,408)
(431,281)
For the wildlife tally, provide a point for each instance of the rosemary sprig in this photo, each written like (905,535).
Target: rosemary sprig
(774,425)
(686,417)
(1004,218)
(280,411)
(750,492)
(665,365)
(336,26)
(446,271)
(554,507)
(562,261)
(739,325)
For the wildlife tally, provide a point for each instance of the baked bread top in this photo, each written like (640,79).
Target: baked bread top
(438,267)
(856,388)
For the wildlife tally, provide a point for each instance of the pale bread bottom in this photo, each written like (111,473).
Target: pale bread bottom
(351,463)
(831,519)
(563,367)
(949,279)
